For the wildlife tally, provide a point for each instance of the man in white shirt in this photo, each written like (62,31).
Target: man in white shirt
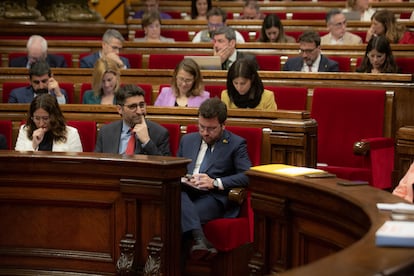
(336,24)
(216,18)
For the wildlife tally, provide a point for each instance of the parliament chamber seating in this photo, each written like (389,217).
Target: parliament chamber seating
(178,35)
(87,133)
(66,56)
(268,62)
(289,98)
(405,64)
(311,15)
(228,235)
(174,131)
(7,130)
(135,60)
(350,122)
(164,61)
(145,86)
(9,86)
(344,63)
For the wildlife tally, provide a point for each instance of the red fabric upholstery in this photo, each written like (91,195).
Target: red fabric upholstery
(175,135)
(229,233)
(281,15)
(87,133)
(346,116)
(9,86)
(309,15)
(268,62)
(146,86)
(135,60)
(343,62)
(66,56)
(215,90)
(290,98)
(6,129)
(406,64)
(164,61)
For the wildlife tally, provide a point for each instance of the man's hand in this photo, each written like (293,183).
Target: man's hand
(38,135)
(202,181)
(224,53)
(141,131)
(53,85)
(117,59)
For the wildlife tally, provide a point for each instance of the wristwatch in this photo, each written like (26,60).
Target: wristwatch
(215,183)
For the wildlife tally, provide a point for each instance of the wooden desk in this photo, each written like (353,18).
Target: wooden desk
(83,213)
(404,152)
(316,227)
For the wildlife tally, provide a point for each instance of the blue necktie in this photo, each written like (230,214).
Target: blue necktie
(204,163)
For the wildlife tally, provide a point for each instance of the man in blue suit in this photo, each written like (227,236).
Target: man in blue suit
(310,59)
(219,161)
(112,41)
(41,81)
(37,50)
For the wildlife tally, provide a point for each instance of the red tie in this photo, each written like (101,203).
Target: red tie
(131,143)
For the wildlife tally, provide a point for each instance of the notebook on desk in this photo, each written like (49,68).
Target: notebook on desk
(207,62)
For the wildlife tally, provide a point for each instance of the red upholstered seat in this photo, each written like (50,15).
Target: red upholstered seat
(175,134)
(268,62)
(346,116)
(309,15)
(135,60)
(146,86)
(164,61)
(6,129)
(215,90)
(9,86)
(343,62)
(87,133)
(406,64)
(227,234)
(178,35)
(290,98)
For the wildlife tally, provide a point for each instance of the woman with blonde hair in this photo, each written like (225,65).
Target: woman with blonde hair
(384,23)
(105,83)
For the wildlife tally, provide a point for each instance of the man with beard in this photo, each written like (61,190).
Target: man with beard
(41,82)
(133,134)
(216,18)
(219,161)
(310,59)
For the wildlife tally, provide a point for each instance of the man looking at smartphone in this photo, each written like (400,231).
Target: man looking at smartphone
(41,81)
(133,134)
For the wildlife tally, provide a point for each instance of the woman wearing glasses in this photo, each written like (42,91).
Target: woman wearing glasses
(105,83)
(46,129)
(151,23)
(186,87)
(245,88)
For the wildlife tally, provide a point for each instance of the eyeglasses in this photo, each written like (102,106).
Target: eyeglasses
(40,118)
(134,107)
(339,24)
(307,51)
(207,129)
(38,81)
(212,25)
(186,81)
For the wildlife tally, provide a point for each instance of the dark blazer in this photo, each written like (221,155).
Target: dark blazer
(89,61)
(326,64)
(240,55)
(26,95)
(3,142)
(52,60)
(228,161)
(109,137)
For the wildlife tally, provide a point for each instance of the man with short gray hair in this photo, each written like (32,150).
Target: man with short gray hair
(112,41)
(336,24)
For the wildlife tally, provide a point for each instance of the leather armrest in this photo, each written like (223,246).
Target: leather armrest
(237,195)
(365,145)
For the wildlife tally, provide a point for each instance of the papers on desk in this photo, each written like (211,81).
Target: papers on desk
(286,170)
(395,234)
(395,206)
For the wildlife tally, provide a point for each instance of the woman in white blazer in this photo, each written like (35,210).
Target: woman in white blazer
(46,129)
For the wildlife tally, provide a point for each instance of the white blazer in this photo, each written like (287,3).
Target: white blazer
(72,144)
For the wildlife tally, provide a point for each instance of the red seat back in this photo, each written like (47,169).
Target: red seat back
(174,131)
(309,15)
(406,64)
(343,62)
(215,90)
(164,61)
(345,116)
(178,35)
(66,56)
(289,98)
(135,60)
(87,133)
(6,128)
(268,62)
